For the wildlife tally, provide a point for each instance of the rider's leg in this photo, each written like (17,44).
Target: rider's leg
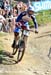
(25,40)
(16,37)
(36,26)
(25,36)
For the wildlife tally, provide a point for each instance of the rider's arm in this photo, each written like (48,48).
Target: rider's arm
(35,22)
(17,22)
(20,16)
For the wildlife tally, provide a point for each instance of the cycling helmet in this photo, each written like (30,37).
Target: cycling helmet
(30,8)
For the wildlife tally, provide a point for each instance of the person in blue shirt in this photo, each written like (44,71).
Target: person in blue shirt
(24,18)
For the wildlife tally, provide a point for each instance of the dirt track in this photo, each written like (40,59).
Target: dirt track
(35,60)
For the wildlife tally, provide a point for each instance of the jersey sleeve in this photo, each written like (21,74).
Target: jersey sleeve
(34,21)
(19,18)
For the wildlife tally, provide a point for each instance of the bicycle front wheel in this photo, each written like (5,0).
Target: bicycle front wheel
(21,50)
(15,50)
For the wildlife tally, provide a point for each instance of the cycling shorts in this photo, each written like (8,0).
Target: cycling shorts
(25,32)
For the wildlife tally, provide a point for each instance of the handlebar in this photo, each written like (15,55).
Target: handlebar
(24,28)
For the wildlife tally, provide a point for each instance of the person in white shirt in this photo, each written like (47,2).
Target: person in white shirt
(2,19)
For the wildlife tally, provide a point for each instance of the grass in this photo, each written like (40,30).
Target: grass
(43,18)
(1,42)
(1,45)
(1,51)
(2,34)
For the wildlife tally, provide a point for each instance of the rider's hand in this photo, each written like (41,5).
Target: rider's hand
(18,24)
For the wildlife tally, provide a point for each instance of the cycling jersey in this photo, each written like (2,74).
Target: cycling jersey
(24,22)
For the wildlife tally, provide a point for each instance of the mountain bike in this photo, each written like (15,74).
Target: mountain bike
(20,47)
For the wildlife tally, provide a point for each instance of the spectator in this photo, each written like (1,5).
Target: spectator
(10,15)
(15,11)
(5,14)
(15,14)
(2,20)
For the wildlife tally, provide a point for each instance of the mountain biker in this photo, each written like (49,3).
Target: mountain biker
(24,18)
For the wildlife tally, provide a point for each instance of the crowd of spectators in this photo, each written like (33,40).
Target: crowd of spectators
(8,14)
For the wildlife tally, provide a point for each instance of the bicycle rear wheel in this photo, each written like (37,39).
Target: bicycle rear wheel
(21,51)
